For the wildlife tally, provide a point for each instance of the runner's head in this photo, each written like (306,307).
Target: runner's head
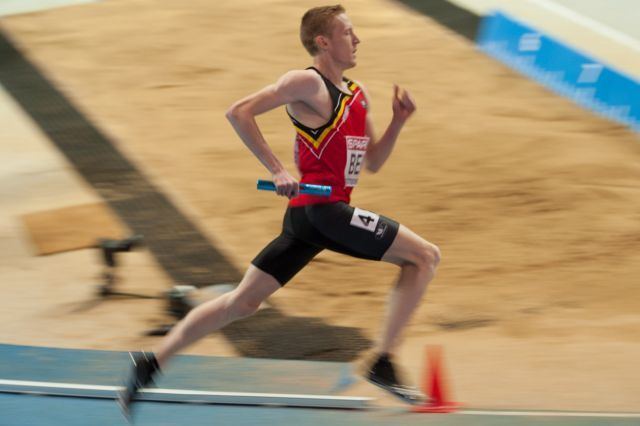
(327,30)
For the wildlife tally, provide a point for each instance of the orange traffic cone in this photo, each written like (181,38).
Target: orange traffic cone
(434,385)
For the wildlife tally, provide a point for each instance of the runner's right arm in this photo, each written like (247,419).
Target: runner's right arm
(294,86)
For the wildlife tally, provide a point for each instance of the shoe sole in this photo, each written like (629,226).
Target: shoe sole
(392,392)
(124,408)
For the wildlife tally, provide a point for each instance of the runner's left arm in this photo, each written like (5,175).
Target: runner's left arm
(379,150)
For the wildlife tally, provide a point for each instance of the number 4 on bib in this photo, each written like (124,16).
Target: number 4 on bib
(364,219)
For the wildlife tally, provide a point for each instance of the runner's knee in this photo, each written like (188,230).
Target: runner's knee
(243,306)
(427,255)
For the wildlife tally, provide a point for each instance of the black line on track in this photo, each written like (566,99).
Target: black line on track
(454,17)
(181,249)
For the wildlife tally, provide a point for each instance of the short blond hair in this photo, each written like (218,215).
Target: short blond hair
(315,22)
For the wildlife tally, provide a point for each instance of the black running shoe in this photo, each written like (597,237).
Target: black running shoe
(383,374)
(144,367)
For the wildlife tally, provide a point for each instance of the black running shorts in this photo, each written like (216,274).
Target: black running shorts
(308,230)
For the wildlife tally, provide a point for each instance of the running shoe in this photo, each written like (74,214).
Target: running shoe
(144,368)
(383,374)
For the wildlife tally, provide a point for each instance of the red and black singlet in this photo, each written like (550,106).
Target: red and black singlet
(333,154)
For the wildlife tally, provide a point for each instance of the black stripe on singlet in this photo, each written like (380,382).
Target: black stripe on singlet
(336,98)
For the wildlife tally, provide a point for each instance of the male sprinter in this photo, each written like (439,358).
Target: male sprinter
(333,133)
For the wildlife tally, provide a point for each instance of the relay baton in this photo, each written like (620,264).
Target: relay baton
(305,188)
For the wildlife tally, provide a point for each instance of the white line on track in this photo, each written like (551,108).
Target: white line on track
(247,398)
(549,414)
(184,395)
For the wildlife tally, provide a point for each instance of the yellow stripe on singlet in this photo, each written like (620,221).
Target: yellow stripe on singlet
(316,142)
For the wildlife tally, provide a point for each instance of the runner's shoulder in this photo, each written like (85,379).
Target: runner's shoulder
(302,82)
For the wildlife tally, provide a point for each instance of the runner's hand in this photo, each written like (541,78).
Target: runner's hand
(286,184)
(403,104)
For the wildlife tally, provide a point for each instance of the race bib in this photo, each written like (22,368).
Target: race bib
(356,149)
(364,219)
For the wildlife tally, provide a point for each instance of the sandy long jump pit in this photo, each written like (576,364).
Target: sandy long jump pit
(533,201)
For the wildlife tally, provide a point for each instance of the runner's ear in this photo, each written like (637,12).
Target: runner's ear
(322,42)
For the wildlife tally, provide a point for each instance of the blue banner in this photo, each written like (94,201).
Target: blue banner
(587,81)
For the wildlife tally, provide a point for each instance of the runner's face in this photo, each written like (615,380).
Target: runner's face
(344,41)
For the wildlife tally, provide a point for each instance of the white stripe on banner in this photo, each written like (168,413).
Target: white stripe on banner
(589,23)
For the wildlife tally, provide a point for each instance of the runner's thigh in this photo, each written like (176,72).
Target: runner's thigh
(350,230)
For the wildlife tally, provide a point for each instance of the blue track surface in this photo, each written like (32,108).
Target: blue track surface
(186,372)
(214,374)
(53,411)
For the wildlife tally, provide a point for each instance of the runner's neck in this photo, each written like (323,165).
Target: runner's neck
(331,71)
